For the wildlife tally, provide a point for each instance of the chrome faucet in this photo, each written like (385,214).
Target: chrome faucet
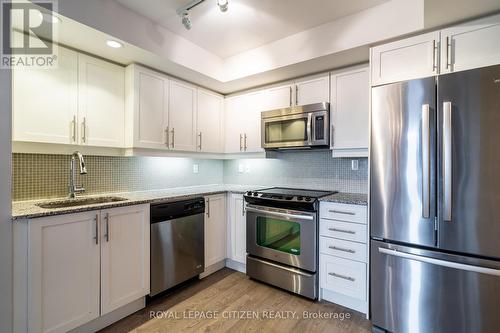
(74,189)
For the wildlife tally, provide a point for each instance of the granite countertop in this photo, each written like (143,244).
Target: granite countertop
(347,198)
(29,209)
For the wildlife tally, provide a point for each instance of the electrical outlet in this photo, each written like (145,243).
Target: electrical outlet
(196,168)
(247,168)
(241,168)
(354,165)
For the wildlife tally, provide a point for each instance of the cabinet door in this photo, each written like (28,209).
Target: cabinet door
(45,101)
(278,97)
(101,98)
(471,45)
(124,256)
(349,111)
(182,116)
(210,122)
(238,229)
(406,59)
(234,123)
(215,229)
(150,108)
(252,141)
(63,272)
(310,90)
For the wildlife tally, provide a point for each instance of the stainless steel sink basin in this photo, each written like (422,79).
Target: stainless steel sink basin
(79,202)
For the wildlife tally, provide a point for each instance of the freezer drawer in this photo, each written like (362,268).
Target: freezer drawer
(414,290)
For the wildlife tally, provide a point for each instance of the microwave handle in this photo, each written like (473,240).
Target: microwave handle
(310,130)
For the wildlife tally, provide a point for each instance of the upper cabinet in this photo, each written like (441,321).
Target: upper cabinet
(349,110)
(101,97)
(406,59)
(79,102)
(182,116)
(471,45)
(308,90)
(210,122)
(45,101)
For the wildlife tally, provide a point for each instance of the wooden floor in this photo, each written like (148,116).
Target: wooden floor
(228,301)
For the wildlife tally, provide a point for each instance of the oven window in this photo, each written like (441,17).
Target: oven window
(286,130)
(278,235)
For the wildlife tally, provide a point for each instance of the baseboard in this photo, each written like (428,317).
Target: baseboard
(213,268)
(112,317)
(237,266)
(348,302)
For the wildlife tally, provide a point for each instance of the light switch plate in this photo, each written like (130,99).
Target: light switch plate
(241,168)
(354,165)
(196,168)
(247,168)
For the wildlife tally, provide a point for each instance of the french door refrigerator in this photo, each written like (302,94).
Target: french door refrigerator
(435,204)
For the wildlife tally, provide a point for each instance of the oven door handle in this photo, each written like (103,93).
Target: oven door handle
(279,214)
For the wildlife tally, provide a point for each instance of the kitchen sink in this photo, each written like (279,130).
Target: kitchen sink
(79,202)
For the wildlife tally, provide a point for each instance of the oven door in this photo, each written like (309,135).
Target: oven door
(282,235)
(286,131)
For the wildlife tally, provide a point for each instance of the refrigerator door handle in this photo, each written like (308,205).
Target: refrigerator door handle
(439,262)
(426,165)
(447,161)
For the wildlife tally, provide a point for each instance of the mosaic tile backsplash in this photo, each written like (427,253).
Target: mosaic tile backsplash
(308,169)
(38,176)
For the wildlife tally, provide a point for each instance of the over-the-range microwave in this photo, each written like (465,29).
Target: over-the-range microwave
(305,126)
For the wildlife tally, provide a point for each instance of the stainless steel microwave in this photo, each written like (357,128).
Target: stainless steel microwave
(304,126)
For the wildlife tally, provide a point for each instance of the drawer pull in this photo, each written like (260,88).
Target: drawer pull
(345,212)
(342,230)
(342,277)
(342,249)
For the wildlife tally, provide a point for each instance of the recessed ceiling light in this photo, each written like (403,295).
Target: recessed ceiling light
(223,4)
(114,44)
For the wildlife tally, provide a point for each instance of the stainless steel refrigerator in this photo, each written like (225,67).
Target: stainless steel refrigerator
(435,204)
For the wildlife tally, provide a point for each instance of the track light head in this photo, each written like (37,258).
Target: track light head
(223,5)
(186,21)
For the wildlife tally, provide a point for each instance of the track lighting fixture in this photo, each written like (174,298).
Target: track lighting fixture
(183,12)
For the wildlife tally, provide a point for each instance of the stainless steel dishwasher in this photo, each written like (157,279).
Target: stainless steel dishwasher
(177,242)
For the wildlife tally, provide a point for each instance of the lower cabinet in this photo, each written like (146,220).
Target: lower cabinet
(215,229)
(237,225)
(343,273)
(82,266)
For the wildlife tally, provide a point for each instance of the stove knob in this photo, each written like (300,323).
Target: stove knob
(255,194)
(300,198)
(307,199)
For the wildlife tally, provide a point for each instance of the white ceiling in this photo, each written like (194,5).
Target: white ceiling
(248,23)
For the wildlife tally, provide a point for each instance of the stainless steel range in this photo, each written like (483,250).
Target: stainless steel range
(282,238)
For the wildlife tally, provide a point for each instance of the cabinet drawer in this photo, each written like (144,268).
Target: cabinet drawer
(343,230)
(343,276)
(343,212)
(342,248)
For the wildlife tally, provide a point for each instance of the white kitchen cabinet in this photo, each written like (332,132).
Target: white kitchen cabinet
(237,220)
(210,122)
(101,98)
(471,45)
(125,243)
(45,101)
(63,272)
(278,97)
(147,108)
(349,112)
(215,229)
(182,116)
(410,58)
(312,89)
(243,124)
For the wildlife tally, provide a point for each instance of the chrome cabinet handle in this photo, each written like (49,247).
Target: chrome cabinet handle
(290,95)
(241,145)
(434,56)
(84,130)
(73,123)
(447,160)
(96,229)
(342,249)
(426,164)
(448,52)
(296,95)
(331,136)
(173,137)
(200,136)
(167,140)
(243,208)
(342,277)
(245,142)
(342,230)
(208,207)
(345,212)
(106,233)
